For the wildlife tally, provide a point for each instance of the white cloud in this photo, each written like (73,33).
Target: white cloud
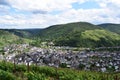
(31,5)
(108,12)
(47,5)
(4,9)
(109,3)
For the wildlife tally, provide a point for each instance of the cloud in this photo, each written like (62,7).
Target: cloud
(4,2)
(43,13)
(47,5)
(39,12)
(21,21)
(4,9)
(109,3)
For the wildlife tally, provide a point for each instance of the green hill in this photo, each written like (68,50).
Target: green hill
(80,34)
(10,38)
(56,31)
(24,33)
(6,37)
(112,27)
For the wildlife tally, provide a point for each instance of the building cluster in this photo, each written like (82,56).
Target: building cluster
(91,61)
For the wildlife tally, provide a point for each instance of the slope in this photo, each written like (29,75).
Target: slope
(80,34)
(6,37)
(24,33)
(9,38)
(56,31)
(112,27)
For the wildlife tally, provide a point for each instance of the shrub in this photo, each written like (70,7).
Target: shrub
(6,75)
(35,76)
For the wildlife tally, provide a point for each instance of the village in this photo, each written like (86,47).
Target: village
(103,61)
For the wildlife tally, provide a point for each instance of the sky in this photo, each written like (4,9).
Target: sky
(43,13)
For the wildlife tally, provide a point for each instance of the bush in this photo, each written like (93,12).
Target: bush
(6,75)
(35,76)
(6,66)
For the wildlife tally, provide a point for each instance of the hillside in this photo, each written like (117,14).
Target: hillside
(80,34)
(56,31)
(10,38)
(90,38)
(32,32)
(111,27)
(20,33)
(6,37)
(24,33)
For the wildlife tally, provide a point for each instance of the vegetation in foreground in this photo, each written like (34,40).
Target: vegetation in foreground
(9,71)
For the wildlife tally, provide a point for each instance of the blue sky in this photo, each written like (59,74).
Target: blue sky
(86,5)
(43,13)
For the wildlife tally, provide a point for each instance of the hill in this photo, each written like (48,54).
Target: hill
(80,34)
(111,27)
(56,31)
(10,38)
(24,33)
(6,37)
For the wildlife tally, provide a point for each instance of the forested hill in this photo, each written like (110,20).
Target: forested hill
(24,33)
(7,37)
(112,27)
(80,34)
(56,31)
